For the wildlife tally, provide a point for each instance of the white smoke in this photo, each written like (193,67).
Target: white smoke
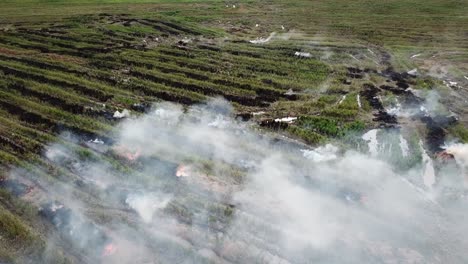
(247,197)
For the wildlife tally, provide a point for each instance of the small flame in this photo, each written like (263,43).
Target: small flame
(445,156)
(110,249)
(133,156)
(183,171)
(127,153)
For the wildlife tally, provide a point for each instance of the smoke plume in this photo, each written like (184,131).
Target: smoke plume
(195,185)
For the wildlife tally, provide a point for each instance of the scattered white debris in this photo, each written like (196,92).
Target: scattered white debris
(359,100)
(258,113)
(416,55)
(124,113)
(342,99)
(450,84)
(289,92)
(186,40)
(256,25)
(372,142)
(233,6)
(263,40)
(466,77)
(282,27)
(404,146)
(352,56)
(96,141)
(321,154)
(413,71)
(288,119)
(428,173)
(302,54)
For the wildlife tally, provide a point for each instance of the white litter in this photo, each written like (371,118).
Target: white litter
(372,142)
(97,141)
(450,84)
(342,99)
(263,40)
(321,154)
(288,119)
(416,55)
(302,54)
(413,71)
(233,6)
(359,100)
(466,77)
(124,113)
(282,27)
(352,56)
(404,146)
(258,113)
(256,25)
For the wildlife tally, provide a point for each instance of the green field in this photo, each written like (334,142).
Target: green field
(69,65)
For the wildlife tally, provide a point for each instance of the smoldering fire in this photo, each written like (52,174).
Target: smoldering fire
(188,196)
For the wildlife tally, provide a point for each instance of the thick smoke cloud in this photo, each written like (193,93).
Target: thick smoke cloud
(199,186)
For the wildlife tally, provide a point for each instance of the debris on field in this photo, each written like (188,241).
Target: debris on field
(288,119)
(97,141)
(342,99)
(413,71)
(258,113)
(123,114)
(302,54)
(263,40)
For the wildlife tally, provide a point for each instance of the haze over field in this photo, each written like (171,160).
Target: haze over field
(233,131)
(256,200)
